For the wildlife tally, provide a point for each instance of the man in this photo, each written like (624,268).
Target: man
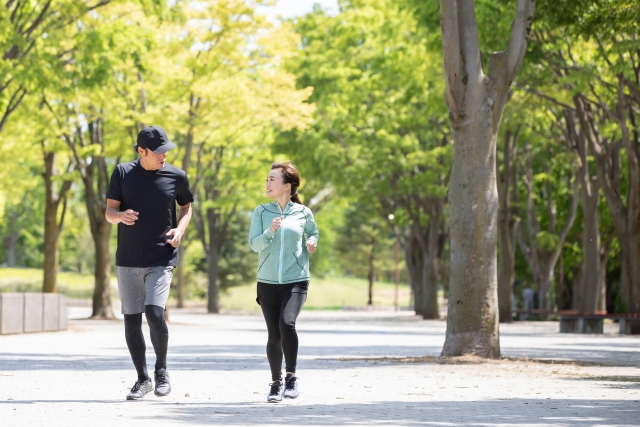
(142,200)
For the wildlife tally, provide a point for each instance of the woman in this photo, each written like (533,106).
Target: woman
(284,233)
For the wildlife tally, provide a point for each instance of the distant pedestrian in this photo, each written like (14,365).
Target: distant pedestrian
(142,200)
(528,296)
(284,233)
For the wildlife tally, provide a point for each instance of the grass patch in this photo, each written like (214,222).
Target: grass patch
(331,293)
(72,285)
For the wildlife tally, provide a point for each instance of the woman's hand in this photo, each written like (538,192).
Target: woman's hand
(311,246)
(275,224)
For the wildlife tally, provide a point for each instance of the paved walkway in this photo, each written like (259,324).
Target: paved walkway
(354,368)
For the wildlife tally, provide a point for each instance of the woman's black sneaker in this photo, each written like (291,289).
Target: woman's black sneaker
(291,387)
(275,394)
(140,390)
(163,387)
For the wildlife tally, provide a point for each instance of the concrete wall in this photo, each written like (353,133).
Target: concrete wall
(32,312)
(51,312)
(11,313)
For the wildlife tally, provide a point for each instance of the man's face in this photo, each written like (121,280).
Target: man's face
(152,161)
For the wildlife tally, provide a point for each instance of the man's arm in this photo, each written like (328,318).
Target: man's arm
(184,216)
(114,216)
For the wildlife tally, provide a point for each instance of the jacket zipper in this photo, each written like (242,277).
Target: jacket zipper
(281,246)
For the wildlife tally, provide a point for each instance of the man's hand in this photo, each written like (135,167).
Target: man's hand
(311,246)
(177,235)
(275,224)
(128,217)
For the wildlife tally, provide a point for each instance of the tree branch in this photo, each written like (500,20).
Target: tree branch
(520,30)
(451,51)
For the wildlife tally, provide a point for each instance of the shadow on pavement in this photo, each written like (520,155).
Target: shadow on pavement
(407,413)
(508,412)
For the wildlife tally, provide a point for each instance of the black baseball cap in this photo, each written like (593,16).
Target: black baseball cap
(155,139)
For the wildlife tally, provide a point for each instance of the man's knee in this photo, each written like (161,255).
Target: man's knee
(155,316)
(132,322)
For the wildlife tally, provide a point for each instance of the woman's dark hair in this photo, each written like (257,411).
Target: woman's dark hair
(290,175)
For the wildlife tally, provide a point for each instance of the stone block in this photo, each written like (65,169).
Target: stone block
(590,326)
(11,313)
(51,312)
(629,326)
(33,312)
(568,325)
(64,314)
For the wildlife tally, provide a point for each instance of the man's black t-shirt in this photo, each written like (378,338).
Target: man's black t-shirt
(153,194)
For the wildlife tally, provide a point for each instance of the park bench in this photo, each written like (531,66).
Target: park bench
(593,323)
(32,312)
(572,322)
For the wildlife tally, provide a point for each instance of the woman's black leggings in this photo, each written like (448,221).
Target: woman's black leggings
(281,305)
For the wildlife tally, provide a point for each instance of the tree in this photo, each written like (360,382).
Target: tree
(379,136)
(596,78)
(476,102)
(34,46)
(228,92)
(542,248)
(364,244)
(93,109)
(507,184)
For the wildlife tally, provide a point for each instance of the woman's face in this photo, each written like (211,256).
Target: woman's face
(275,185)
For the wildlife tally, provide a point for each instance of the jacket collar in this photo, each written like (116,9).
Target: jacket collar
(277,206)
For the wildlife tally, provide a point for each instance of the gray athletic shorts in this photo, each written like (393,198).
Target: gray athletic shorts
(143,286)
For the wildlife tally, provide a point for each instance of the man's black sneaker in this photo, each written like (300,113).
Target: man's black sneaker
(140,390)
(275,394)
(291,387)
(163,387)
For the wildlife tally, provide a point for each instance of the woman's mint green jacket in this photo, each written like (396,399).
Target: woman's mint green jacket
(283,255)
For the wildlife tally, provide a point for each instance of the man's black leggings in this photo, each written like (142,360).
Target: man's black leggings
(281,305)
(135,340)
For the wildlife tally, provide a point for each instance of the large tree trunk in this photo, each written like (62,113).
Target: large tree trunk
(591,276)
(476,102)
(472,323)
(95,179)
(102,286)
(422,256)
(50,246)
(52,226)
(414,260)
